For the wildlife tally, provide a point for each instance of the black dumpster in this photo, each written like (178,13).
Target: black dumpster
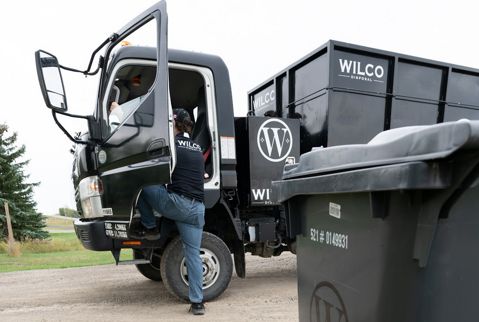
(346,94)
(389,230)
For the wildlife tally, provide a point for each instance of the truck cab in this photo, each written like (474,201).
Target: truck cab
(129,145)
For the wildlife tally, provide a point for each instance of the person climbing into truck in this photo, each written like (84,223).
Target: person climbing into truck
(182,202)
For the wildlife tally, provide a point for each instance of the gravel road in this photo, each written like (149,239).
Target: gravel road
(120,293)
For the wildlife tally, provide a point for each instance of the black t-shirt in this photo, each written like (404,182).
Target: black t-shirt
(187,178)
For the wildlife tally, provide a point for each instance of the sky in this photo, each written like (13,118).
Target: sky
(255,38)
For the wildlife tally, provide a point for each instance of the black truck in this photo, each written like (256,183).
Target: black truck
(339,94)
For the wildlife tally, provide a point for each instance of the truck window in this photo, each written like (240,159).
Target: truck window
(130,87)
(131,74)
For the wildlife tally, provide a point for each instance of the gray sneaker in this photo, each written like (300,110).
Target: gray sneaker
(197,308)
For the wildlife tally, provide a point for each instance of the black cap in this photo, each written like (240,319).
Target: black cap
(181,116)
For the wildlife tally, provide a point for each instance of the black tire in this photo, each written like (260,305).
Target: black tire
(217,267)
(152,270)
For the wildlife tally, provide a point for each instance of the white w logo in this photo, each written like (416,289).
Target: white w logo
(276,140)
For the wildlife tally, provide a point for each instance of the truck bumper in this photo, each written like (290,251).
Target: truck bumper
(93,237)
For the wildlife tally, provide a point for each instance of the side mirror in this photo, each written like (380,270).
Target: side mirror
(51,82)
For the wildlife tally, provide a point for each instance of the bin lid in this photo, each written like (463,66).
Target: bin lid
(406,144)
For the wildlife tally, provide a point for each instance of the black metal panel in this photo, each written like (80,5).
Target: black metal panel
(418,89)
(354,117)
(314,121)
(211,198)
(242,166)
(122,186)
(418,81)
(311,78)
(455,112)
(272,143)
(407,113)
(264,145)
(463,88)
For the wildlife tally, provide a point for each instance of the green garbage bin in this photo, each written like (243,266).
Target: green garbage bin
(389,230)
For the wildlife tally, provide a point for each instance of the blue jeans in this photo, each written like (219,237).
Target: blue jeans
(189,216)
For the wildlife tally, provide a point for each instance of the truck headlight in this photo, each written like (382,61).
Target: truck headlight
(91,189)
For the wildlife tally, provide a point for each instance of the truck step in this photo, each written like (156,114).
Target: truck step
(134,262)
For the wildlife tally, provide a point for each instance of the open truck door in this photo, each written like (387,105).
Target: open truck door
(135,111)
(130,141)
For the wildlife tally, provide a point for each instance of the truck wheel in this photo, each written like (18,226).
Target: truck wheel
(217,267)
(152,270)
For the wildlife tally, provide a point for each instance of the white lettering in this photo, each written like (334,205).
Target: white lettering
(355,68)
(259,194)
(329,238)
(280,136)
(314,235)
(120,227)
(121,234)
(279,143)
(379,71)
(345,65)
(359,69)
(368,68)
(265,99)
(189,145)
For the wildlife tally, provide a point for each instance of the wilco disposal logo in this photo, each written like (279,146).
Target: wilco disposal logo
(264,99)
(327,305)
(274,140)
(361,71)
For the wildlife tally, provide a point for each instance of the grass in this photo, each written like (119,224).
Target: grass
(58,223)
(62,250)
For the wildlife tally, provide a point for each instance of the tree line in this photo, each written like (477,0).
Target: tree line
(17,191)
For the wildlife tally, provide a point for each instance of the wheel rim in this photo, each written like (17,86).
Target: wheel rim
(211,268)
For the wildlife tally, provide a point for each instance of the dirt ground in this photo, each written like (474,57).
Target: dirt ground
(120,293)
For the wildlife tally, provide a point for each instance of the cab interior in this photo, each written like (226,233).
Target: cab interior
(187,91)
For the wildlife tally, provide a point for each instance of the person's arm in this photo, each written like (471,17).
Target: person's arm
(116,115)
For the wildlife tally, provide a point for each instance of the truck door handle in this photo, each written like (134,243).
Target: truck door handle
(156,147)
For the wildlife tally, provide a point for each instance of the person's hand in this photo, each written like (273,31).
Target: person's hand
(113,106)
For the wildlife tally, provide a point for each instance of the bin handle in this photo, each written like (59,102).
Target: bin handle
(436,204)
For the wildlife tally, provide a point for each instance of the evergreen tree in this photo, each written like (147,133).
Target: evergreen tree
(27,223)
